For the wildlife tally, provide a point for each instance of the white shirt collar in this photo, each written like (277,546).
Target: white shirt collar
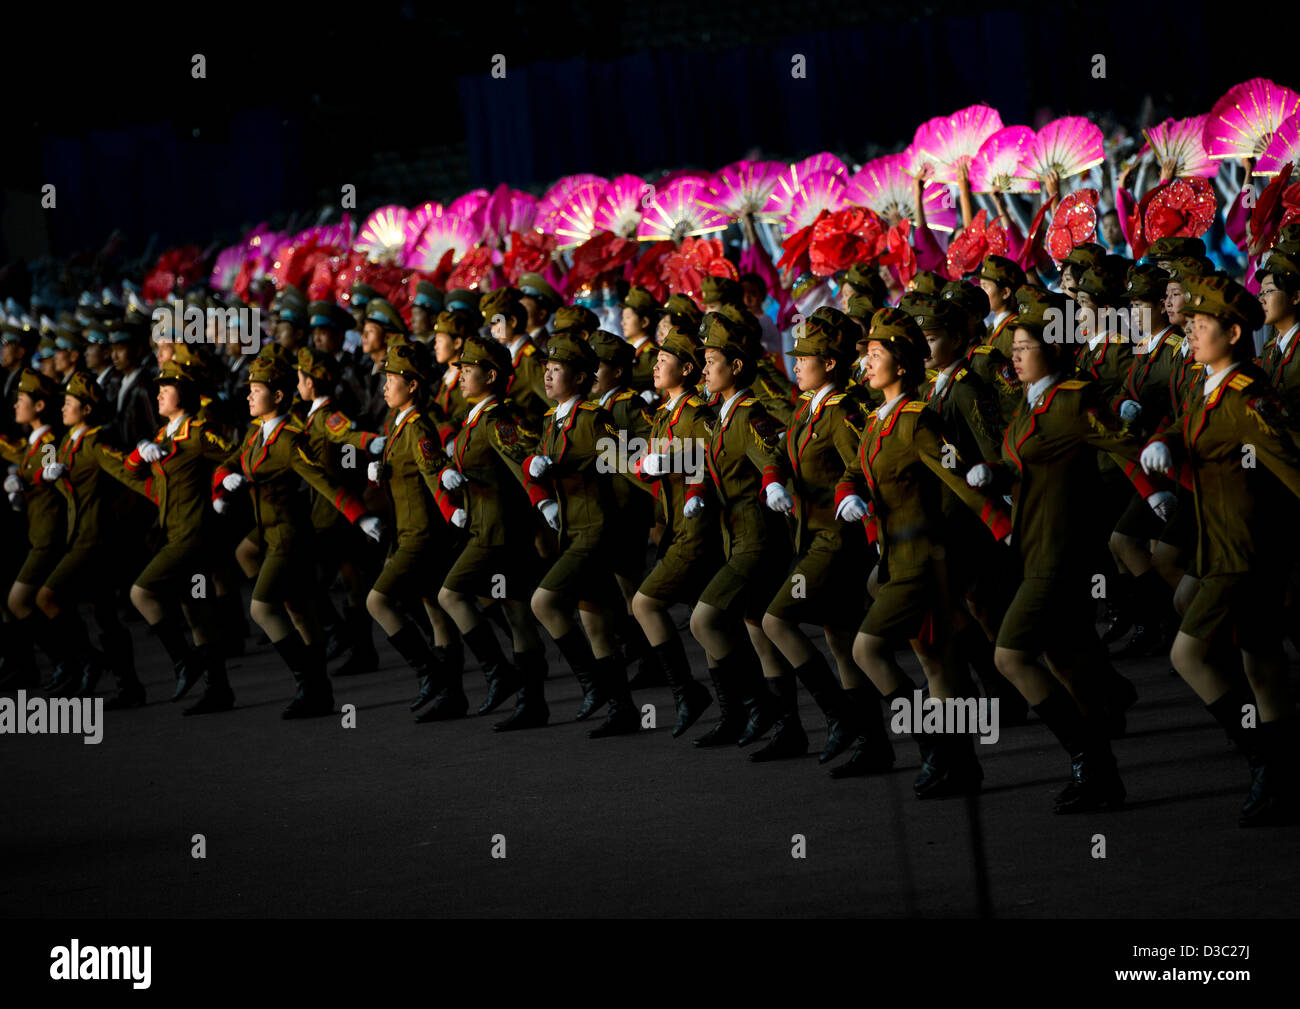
(888,408)
(636,344)
(1217,379)
(316,404)
(605,398)
(269,427)
(398,419)
(566,408)
(1096,339)
(819,396)
(999,316)
(1150,343)
(1035,390)
(516,343)
(127,379)
(478,408)
(941,379)
(1285,341)
(36,433)
(730,404)
(672,403)
(451,376)
(174,425)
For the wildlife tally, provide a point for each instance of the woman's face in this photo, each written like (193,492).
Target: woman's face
(661,330)
(74,412)
(719,373)
(1028,357)
(262,402)
(503,328)
(1214,341)
(475,381)
(561,381)
(398,392)
(1278,305)
(169,401)
(1175,299)
(26,409)
(446,348)
(632,326)
(306,387)
(164,351)
(944,349)
(669,372)
(881,366)
(811,372)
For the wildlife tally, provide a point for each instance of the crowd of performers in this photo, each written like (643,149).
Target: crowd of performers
(934,468)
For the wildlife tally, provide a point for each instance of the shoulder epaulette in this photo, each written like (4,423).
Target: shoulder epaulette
(588,405)
(959,374)
(806,395)
(915,406)
(1240,381)
(529,349)
(836,397)
(1173,340)
(693,400)
(983,348)
(624,396)
(1073,383)
(550,412)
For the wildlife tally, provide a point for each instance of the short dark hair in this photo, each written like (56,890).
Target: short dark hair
(756,280)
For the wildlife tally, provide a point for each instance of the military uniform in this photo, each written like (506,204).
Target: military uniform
(43,503)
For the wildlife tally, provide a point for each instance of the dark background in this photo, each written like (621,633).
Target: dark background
(397,98)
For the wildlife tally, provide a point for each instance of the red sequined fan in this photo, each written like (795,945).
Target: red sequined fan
(1074,223)
(969,248)
(176,270)
(841,239)
(685,268)
(529,252)
(1183,208)
(647,271)
(604,252)
(473,267)
(1271,212)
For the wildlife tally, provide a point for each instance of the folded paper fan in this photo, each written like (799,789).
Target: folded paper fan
(417,219)
(676,213)
(968,249)
(619,209)
(950,142)
(743,187)
(226,268)
(997,164)
(781,202)
(1075,222)
(1184,208)
(555,197)
(1284,148)
(885,186)
(507,210)
(822,191)
(443,232)
(1242,123)
(383,235)
(575,220)
(1178,142)
(1067,147)
(471,207)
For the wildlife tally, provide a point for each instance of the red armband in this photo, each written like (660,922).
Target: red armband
(349,505)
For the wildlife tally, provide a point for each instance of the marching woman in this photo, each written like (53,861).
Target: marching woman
(577,501)
(485,478)
(424,545)
(688,551)
(275,456)
(84,572)
(1050,448)
(36,407)
(903,464)
(826,586)
(1242,572)
(1279,294)
(448,406)
(744,466)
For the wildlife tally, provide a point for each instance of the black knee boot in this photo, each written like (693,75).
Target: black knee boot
(760,705)
(217,695)
(66,637)
(1118,694)
(875,752)
(1094,776)
(185,663)
(1152,599)
(65,675)
(449,700)
(502,677)
(576,650)
(977,651)
(731,722)
(637,650)
(949,766)
(120,649)
(1274,797)
(363,658)
(788,736)
(315,695)
(531,710)
(623,716)
(1118,618)
(841,717)
(690,696)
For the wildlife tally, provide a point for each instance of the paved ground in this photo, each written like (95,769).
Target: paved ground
(396,819)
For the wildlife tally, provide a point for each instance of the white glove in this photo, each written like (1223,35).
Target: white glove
(693,507)
(53,471)
(13,484)
(16,502)
(233,482)
(220,505)
(150,451)
(979,475)
(1156,458)
(1007,539)
(1130,409)
(851,509)
(371,526)
(656,465)
(459,518)
(538,466)
(551,512)
(649,395)
(778,499)
(1162,503)
(372,472)
(452,479)
(376,446)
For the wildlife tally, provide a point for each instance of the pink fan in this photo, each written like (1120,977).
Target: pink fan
(471,207)
(442,231)
(508,210)
(676,213)
(1065,146)
(819,192)
(383,237)
(885,186)
(1179,141)
(949,142)
(554,198)
(417,219)
(575,220)
(1283,149)
(619,210)
(743,187)
(997,164)
(781,202)
(1242,122)
(226,267)
(339,235)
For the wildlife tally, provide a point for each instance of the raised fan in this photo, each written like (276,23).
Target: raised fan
(1242,123)
(743,187)
(950,142)
(383,235)
(885,186)
(781,202)
(997,164)
(619,209)
(442,231)
(1283,149)
(1065,146)
(1178,142)
(676,212)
